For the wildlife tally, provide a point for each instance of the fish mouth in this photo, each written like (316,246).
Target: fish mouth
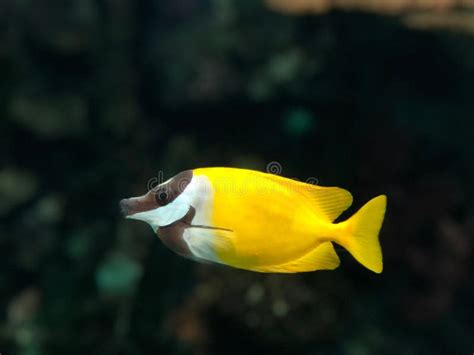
(125,207)
(134,205)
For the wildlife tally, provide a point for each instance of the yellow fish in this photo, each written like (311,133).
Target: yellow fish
(259,222)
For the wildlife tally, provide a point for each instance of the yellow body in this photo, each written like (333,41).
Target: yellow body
(269,223)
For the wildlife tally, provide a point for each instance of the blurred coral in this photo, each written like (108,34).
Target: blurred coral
(285,310)
(453,20)
(387,6)
(24,306)
(427,14)
(21,315)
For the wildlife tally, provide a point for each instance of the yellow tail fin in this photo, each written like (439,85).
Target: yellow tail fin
(360,234)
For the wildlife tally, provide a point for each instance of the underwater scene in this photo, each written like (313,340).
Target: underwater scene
(218,177)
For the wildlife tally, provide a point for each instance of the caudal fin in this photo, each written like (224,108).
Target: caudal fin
(360,234)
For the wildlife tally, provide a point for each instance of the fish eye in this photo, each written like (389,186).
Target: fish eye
(162,197)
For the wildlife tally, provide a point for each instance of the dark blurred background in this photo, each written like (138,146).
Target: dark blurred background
(99,96)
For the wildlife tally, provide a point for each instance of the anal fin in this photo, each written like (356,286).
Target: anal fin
(323,257)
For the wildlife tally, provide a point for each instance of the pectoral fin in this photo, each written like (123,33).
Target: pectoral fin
(324,257)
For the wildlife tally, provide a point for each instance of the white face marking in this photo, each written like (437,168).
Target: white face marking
(196,194)
(165,215)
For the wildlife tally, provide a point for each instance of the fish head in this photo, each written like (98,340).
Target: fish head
(162,206)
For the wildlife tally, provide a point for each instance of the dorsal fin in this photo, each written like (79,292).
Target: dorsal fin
(329,202)
(323,257)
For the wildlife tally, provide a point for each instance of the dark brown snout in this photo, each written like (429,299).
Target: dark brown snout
(125,207)
(130,206)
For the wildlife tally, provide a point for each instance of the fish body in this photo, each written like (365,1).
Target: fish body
(258,221)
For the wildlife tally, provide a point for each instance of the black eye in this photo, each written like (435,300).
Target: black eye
(162,197)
